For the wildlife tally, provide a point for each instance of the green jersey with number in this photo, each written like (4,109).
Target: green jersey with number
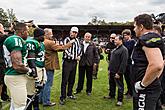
(12,43)
(40,57)
(33,46)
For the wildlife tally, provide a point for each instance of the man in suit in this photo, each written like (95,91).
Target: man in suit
(88,59)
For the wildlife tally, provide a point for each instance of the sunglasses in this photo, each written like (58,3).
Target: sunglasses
(112,37)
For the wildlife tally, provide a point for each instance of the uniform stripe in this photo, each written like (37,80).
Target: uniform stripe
(74,51)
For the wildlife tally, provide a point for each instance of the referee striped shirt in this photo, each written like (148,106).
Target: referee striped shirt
(74,51)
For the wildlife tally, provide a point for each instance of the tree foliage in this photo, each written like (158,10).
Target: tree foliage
(96,21)
(11,15)
(7,17)
(3,17)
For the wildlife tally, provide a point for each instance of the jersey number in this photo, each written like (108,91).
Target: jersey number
(30,46)
(18,42)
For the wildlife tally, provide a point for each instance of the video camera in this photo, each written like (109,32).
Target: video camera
(160,18)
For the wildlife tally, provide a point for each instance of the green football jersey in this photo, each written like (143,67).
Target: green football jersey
(33,46)
(40,57)
(13,42)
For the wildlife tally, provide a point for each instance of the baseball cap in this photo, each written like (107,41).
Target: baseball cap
(75,29)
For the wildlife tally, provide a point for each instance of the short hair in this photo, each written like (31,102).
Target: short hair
(120,37)
(145,20)
(113,35)
(20,26)
(47,30)
(126,31)
(158,28)
(87,33)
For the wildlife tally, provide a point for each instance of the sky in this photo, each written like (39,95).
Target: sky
(76,12)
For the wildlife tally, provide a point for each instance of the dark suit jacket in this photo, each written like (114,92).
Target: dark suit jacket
(90,56)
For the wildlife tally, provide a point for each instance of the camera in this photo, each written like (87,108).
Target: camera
(160,18)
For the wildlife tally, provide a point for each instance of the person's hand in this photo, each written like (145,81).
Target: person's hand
(78,58)
(72,41)
(139,86)
(31,73)
(117,76)
(94,66)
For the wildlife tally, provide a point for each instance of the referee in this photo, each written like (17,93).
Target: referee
(70,57)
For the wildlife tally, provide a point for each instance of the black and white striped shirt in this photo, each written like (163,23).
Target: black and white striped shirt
(73,52)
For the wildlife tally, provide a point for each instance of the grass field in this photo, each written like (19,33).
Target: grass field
(84,102)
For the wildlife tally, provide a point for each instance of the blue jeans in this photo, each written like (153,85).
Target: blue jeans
(44,96)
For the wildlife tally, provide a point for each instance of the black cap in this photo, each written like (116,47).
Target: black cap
(38,32)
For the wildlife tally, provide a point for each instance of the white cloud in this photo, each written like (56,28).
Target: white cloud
(81,11)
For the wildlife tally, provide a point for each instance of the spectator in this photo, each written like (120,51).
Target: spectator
(117,66)
(100,57)
(3,36)
(70,57)
(2,62)
(89,58)
(157,29)
(109,47)
(129,44)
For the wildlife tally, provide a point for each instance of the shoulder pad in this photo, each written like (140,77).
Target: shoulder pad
(151,40)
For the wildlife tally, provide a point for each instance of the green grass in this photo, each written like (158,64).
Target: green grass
(84,102)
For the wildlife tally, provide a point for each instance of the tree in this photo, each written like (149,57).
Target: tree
(96,21)
(11,15)
(3,17)
(7,17)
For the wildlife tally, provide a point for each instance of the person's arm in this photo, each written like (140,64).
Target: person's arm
(155,65)
(123,62)
(16,59)
(96,55)
(107,50)
(3,37)
(31,63)
(57,47)
(61,47)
